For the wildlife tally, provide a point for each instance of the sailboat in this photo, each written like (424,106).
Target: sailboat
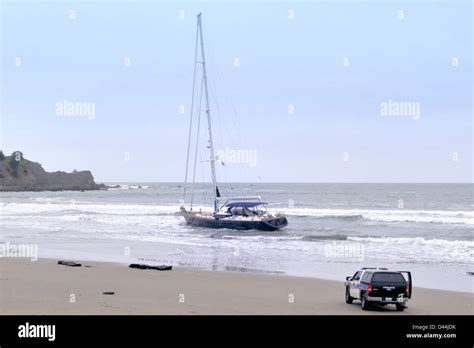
(240,213)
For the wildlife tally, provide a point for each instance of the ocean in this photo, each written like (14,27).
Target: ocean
(333,229)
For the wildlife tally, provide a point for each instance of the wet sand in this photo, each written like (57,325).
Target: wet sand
(44,287)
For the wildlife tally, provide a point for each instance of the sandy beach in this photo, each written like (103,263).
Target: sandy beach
(44,287)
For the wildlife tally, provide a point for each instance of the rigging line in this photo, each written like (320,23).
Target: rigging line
(201,175)
(231,139)
(214,73)
(191,118)
(221,139)
(202,184)
(205,196)
(236,124)
(213,93)
(236,121)
(243,138)
(211,66)
(225,129)
(197,143)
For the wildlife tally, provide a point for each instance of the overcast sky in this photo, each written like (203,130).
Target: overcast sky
(307,91)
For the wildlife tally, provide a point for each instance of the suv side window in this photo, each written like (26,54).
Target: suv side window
(357,275)
(366,277)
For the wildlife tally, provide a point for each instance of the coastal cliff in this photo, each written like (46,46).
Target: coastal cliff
(20,174)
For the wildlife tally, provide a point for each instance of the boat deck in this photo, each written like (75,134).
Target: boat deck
(210,216)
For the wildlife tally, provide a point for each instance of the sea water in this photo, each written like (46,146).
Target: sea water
(333,229)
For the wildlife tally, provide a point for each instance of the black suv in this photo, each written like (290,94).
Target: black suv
(379,285)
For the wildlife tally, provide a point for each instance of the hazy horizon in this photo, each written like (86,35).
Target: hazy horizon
(301,92)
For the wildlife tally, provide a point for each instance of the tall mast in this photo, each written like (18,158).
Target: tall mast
(208,112)
(191,123)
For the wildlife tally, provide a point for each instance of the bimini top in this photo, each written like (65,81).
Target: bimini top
(243,204)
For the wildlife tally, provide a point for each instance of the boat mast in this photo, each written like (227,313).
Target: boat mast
(208,112)
(191,123)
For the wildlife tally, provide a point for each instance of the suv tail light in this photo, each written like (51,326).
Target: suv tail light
(406,290)
(370,288)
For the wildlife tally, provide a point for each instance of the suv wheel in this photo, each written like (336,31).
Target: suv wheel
(348,297)
(400,307)
(365,304)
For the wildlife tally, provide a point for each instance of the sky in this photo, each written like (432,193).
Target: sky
(300,91)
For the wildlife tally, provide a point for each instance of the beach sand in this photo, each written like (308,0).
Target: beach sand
(44,287)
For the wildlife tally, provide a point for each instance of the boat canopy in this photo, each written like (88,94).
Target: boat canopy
(241,198)
(243,204)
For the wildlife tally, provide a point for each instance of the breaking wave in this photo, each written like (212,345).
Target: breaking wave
(325,237)
(415,241)
(80,207)
(396,215)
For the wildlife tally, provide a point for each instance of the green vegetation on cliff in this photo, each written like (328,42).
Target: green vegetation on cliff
(14,163)
(19,174)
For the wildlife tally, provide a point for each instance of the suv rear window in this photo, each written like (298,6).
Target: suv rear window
(388,277)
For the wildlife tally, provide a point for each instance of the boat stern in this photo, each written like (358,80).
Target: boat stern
(277,222)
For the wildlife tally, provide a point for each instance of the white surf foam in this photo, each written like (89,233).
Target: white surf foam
(395,215)
(119,209)
(418,249)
